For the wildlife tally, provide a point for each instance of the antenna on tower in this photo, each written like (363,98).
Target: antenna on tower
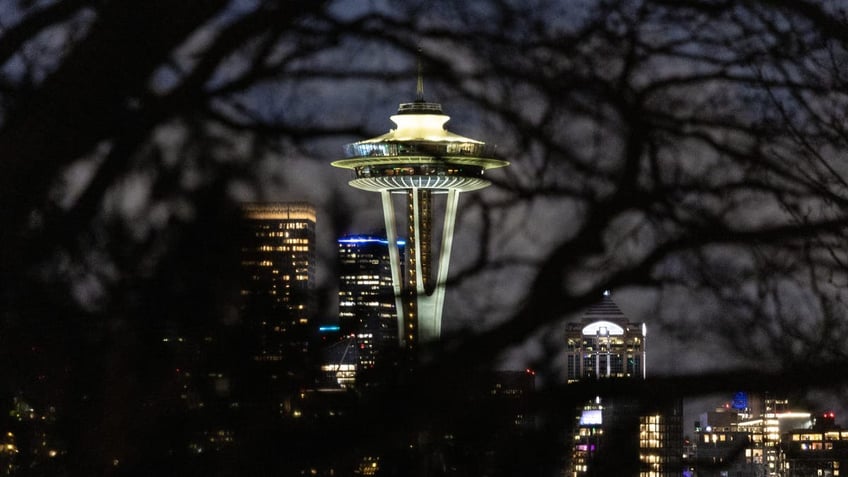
(419,89)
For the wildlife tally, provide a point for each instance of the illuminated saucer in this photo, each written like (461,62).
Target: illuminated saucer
(419,154)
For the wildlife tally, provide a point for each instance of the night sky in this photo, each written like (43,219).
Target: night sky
(689,157)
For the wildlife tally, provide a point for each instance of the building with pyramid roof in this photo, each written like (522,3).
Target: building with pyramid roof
(620,435)
(605,344)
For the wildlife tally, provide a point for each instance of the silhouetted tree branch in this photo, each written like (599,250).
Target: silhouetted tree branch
(692,147)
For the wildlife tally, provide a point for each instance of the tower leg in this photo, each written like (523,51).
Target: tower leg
(394,259)
(444,257)
(420,319)
(430,306)
(420,232)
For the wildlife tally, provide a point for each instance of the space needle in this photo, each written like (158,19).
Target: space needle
(417,160)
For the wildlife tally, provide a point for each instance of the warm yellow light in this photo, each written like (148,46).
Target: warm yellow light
(280,211)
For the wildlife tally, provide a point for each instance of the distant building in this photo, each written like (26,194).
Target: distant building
(619,434)
(338,358)
(367,311)
(511,389)
(605,344)
(765,437)
(722,447)
(278,275)
(765,428)
(488,431)
(820,451)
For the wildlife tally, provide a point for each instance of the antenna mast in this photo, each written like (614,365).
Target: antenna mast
(419,90)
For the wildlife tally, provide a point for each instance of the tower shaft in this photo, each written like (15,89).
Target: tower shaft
(419,204)
(418,294)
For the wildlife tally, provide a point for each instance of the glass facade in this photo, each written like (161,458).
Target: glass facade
(660,440)
(366,297)
(277,245)
(605,345)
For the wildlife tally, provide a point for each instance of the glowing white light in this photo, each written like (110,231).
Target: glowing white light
(606,326)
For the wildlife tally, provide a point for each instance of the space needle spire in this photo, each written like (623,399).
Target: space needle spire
(419,87)
(418,159)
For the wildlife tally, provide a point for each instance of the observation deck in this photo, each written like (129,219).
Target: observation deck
(419,154)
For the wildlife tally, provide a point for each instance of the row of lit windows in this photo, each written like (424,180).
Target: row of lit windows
(350,259)
(828,436)
(283,234)
(283,248)
(373,304)
(364,289)
(713,438)
(588,431)
(303,264)
(591,344)
(817,446)
(269,263)
(361,295)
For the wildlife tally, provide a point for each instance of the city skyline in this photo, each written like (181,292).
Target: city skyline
(688,156)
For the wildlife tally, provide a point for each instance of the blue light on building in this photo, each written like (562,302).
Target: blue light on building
(368,239)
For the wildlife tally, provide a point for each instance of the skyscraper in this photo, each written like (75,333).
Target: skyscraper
(278,269)
(619,435)
(367,311)
(418,160)
(605,344)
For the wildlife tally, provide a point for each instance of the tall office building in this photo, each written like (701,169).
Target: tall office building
(605,344)
(367,312)
(621,435)
(419,160)
(278,270)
